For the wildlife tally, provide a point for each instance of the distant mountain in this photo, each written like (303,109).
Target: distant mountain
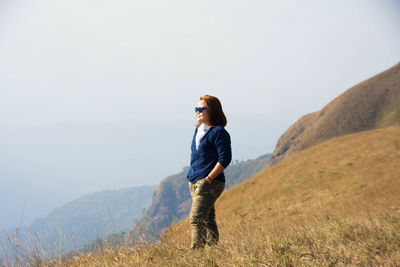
(171,199)
(374,103)
(89,217)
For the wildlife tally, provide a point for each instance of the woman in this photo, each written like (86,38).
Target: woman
(210,155)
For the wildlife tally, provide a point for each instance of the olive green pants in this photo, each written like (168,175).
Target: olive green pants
(202,215)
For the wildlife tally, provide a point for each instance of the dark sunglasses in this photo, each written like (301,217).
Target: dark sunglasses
(199,109)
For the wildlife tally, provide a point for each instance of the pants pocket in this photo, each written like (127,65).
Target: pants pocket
(203,188)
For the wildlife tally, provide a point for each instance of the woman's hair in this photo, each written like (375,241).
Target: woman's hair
(214,109)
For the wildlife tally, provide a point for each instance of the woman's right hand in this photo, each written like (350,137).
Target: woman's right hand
(208,180)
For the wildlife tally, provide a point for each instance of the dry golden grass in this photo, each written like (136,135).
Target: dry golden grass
(338,201)
(335,204)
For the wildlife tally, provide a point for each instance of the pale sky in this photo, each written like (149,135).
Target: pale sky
(99,94)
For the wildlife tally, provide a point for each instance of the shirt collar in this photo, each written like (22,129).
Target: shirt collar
(204,127)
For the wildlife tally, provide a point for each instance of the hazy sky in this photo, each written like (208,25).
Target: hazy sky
(99,94)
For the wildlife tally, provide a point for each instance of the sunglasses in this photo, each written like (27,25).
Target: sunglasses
(199,109)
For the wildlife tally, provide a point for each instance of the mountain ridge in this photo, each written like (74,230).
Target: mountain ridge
(373,103)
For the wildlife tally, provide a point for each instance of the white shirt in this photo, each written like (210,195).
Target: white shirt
(201,132)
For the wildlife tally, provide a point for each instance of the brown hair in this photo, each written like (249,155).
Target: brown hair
(214,109)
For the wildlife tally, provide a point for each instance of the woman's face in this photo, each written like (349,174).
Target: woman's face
(202,117)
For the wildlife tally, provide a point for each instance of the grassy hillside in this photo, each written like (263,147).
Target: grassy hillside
(371,104)
(337,203)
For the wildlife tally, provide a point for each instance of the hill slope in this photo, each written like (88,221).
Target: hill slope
(371,104)
(335,204)
(337,201)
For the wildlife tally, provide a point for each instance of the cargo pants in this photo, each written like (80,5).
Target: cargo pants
(202,215)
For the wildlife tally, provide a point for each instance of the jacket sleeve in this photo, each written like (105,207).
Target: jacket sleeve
(222,141)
